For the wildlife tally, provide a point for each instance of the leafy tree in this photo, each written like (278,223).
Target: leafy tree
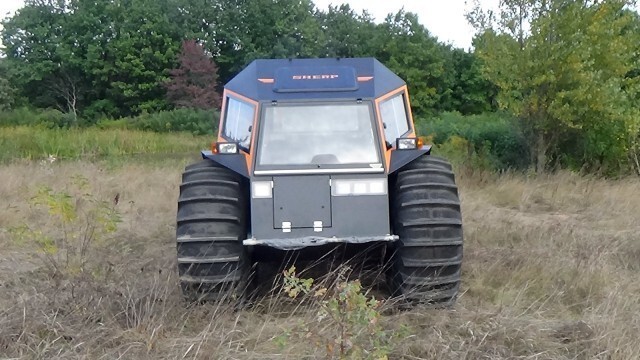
(94,58)
(144,47)
(33,38)
(564,76)
(347,33)
(100,56)
(7,92)
(220,27)
(236,32)
(415,55)
(193,83)
(470,92)
(281,29)
(214,24)
(632,87)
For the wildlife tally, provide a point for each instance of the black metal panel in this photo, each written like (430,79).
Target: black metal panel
(301,200)
(262,218)
(365,215)
(377,79)
(234,162)
(356,217)
(400,158)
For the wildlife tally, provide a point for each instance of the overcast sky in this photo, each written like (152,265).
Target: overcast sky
(7,7)
(443,18)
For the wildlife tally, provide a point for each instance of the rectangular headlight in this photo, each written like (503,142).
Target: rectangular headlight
(341,188)
(406,143)
(227,148)
(359,187)
(261,189)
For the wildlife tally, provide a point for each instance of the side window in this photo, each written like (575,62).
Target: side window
(394,116)
(238,121)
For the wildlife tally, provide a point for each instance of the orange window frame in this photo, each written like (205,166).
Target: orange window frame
(410,133)
(248,154)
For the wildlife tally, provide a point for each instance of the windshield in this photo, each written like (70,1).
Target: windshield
(325,134)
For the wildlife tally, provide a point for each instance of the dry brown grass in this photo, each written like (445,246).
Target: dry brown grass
(551,272)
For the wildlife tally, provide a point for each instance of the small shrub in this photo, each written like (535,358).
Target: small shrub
(460,151)
(493,140)
(109,124)
(347,323)
(47,118)
(99,109)
(195,121)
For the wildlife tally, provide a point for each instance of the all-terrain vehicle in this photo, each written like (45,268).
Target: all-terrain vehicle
(313,152)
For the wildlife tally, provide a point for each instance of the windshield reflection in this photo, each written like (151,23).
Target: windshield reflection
(318,135)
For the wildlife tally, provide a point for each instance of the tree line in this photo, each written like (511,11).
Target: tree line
(563,76)
(113,57)
(570,72)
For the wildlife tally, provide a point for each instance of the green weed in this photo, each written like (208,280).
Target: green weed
(347,322)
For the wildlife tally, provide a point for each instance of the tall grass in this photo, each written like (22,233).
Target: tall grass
(550,272)
(38,143)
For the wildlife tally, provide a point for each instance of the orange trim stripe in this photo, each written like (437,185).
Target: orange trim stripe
(365,78)
(409,111)
(267,81)
(223,111)
(241,97)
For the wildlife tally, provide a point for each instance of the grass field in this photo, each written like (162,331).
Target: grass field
(92,143)
(551,272)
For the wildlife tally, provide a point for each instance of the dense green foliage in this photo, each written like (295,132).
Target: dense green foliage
(44,118)
(564,74)
(99,57)
(572,78)
(7,92)
(113,57)
(195,121)
(494,141)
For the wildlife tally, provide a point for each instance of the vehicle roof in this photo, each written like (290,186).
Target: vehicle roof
(314,79)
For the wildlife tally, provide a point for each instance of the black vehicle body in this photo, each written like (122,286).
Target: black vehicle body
(314,152)
(302,195)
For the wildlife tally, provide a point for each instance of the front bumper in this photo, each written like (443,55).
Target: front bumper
(303,242)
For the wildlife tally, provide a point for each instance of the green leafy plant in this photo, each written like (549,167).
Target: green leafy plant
(347,323)
(490,141)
